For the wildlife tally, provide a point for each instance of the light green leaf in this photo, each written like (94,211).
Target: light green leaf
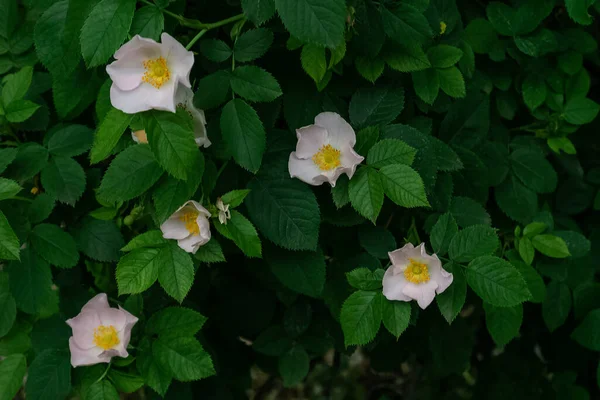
(16,85)
(452,82)
(497,282)
(255,84)
(303,272)
(12,371)
(551,246)
(244,134)
(534,228)
(49,376)
(472,242)
(99,240)
(395,316)
(361,317)
(366,193)
(403,186)
(105,29)
(175,271)
(8,188)
(580,111)
(64,179)
(20,110)
(390,151)
(376,105)
(108,134)
(442,233)
(310,22)
(130,174)
(426,84)
(444,56)
(526,250)
(175,322)
(54,245)
(314,62)
(503,323)
(152,238)
(252,44)
(243,234)
(365,279)
(138,270)
(235,198)
(148,22)
(294,365)
(406,24)
(102,390)
(183,358)
(258,11)
(451,301)
(557,305)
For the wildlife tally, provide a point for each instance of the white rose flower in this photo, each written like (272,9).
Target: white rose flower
(147,74)
(184,99)
(99,332)
(189,226)
(415,275)
(224,213)
(324,151)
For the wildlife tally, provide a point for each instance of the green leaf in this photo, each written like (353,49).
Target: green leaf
(365,139)
(70,140)
(255,84)
(211,252)
(534,170)
(426,84)
(6,157)
(556,305)
(64,179)
(516,200)
(12,371)
(390,151)
(442,233)
(183,358)
(376,240)
(366,193)
(215,50)
(285,211)
(369,68)
(258,11)
(20,110)
(213,90)
(403,186)
(30,282)
(105,29)
(125,382)
(503,323)
(537,44)
(9,17)
(502,17)
(99,240)
(130,174)
(235,197)
(361,316)
(138,270)
(148,22)
(252,44)
(175,271)
(9,243)
(108,134)
(395,316)
(310,22)
(171,139)
(153,374)
(480,34)
(473,242)
(293,365)
(579,111)
(409,57)
(8,314)
(534,90)
(49,376)
(102,390)
(444,56)
(468,212)
(303,272)
(578,11)
(175,322)
(243,234)
(526,250)
(152,238)
(406,24)
(535,283)
(496,281)
(244,134)
(376,105)
(365,279)
(587,333)
(313,61)
(54,245)
(8,188)
(339,192)
(551,246)
(451,301)
(570,62)
(452,82)
(16,85)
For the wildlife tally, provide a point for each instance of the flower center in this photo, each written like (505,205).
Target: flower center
(157,73)
(327,158)
(106,337)
(189,219)
(416,272)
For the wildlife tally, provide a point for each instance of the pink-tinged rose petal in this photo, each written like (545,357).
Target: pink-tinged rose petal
(83,326)
(305,170)
(112,317)
(340,133)
(83,357)
(423,293)
(350,160)
(191,244)
(137,43)
(97,303)
(310,140)
(179,59)
(393,284)
(174,228)
(143,98)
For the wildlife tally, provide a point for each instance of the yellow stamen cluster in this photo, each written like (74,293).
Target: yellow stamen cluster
(189,219)
(157,72)
(416,272)
(106,337)
(327,158)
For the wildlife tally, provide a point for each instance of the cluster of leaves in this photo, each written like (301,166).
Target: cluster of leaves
(477,122)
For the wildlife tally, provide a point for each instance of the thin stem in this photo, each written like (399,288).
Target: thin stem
(21,199)
(195,39)
(194,23)
(221,169)
(104,374)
